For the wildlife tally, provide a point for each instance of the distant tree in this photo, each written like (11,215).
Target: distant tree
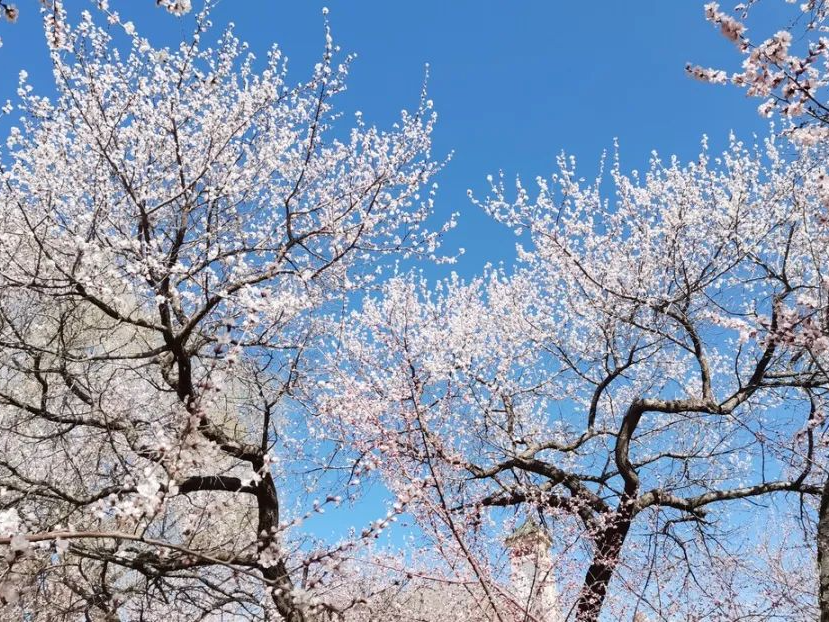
(174,228)
(655,367)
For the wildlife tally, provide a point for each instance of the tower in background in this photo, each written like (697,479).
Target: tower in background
(532,580)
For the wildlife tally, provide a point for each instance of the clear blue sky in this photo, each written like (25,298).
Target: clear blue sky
(514,83)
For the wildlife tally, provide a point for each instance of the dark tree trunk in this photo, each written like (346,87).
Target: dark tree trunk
(608,548)
(823,553)
(276,575)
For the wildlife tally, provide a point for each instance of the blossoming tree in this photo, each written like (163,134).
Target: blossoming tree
(655,365)
(173,225)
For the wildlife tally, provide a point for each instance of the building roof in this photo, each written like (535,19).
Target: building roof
(528,530)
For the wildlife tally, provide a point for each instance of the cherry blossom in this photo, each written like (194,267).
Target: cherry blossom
(176,226)
(789,78)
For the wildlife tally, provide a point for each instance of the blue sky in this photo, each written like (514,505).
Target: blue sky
(514,83)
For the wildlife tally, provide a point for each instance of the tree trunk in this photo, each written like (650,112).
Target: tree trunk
(823,553)
(276,575)
(605,560)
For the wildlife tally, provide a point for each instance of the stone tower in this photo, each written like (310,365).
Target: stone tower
(531,572)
